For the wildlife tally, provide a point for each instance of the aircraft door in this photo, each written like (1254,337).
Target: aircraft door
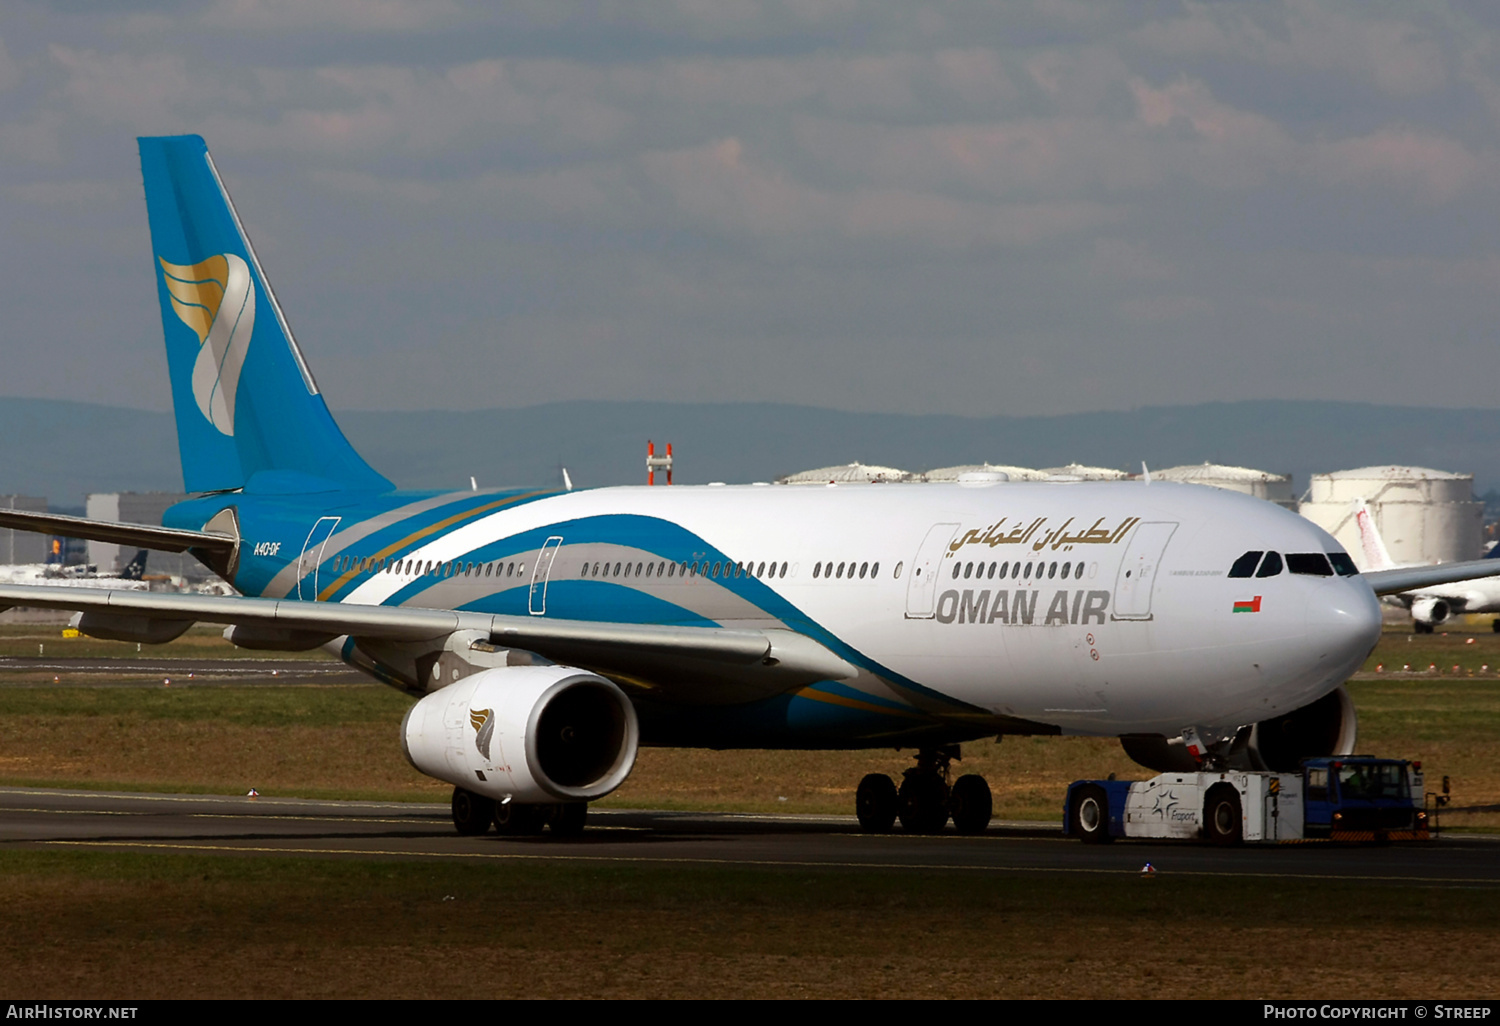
(921,586)
(312,557)
(540,573)
(1136,578)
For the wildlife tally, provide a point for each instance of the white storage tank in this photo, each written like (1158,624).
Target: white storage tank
(1262,484)
(1424,515)
(944,475)
(849,473)
(1078,472)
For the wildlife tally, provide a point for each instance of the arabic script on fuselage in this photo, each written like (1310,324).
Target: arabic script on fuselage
(1057,538)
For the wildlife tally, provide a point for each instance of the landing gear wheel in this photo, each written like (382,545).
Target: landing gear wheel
(1495,626)
(567,819)
(1222,819)
(970,804)
(923,803)
(1421,628)
(516,820)
(876,803)
(472,813)
(1090,815)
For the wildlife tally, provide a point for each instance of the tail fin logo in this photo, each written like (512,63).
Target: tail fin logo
(216,298)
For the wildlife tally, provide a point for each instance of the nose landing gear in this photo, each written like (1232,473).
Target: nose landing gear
(925,801)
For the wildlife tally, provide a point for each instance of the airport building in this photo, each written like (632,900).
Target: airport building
(138,508)
(1275,488)
(1425,516)
(18,547)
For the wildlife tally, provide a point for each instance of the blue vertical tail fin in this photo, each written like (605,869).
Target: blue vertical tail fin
(246,404)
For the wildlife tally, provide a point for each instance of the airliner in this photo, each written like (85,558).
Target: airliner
(1434,605)
(545,635)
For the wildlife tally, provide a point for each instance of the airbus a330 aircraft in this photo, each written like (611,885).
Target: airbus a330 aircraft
(548,634)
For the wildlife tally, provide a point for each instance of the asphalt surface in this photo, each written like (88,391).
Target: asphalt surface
(272,827)
(146,670)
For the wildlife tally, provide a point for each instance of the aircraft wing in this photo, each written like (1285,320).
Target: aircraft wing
(1391,582)
(743,660)
(142,536)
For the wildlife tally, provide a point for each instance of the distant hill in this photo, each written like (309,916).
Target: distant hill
(63,450)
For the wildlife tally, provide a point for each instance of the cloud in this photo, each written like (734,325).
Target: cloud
(1431,167)
(365,16)
(718,187)
(1398,57)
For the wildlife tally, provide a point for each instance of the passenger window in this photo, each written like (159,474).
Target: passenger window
(863,567)
(817,570)
(896,575)
(839,573)
(956,569)
(1313,564)
(1270,566)
(874,570)
(1078,573)
(1051,571)
(968,569)
(1028,571)
(1246,564)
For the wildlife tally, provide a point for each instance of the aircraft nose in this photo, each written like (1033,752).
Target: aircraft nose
(1344,622)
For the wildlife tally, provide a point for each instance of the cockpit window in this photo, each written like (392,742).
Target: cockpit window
(1246,564)
(1270,566)
(1342,564)
(1314,564)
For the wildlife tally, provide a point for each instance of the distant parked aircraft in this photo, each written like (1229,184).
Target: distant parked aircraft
(1436,604)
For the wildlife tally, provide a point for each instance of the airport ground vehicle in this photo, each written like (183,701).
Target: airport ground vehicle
(1350,798)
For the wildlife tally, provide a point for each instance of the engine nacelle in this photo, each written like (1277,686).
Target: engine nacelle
(1329,726)
(534,734)
(1430,609)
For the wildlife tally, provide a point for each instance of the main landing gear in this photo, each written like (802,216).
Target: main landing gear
(474,814)
(925,801)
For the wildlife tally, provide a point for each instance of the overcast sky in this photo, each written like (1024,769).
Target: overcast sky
(982,208)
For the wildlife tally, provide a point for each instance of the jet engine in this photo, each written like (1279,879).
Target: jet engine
(1329,726)
(533,734)
(1430,610)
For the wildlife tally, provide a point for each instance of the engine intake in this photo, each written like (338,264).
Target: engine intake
(533,734)
(1431,610)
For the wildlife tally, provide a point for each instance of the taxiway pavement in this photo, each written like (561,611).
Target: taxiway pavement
(271,827)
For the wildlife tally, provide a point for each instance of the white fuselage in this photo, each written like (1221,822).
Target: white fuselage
(1142,636)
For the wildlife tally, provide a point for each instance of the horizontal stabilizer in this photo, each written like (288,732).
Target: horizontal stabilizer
(145,536)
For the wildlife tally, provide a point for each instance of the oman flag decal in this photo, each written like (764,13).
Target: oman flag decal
(1248,605)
